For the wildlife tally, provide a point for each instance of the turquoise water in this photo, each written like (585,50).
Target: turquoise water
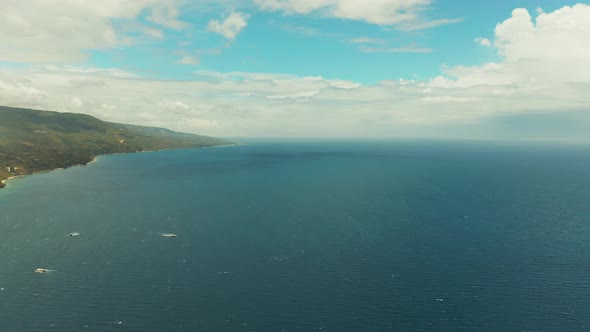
(304,236)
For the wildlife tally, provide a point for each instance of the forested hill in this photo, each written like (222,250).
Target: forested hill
(33,141)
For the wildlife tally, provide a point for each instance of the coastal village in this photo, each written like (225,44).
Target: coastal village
(13,169)
(8,172)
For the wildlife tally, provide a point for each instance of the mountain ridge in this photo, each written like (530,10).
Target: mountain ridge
(34,141)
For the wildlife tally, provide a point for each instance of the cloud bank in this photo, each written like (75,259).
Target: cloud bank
(62,31)
(543,70)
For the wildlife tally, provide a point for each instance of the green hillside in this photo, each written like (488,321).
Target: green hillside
(33,141)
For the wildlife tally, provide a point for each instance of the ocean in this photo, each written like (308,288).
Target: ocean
(298,235)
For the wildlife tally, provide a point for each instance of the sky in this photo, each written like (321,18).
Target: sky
(306,68)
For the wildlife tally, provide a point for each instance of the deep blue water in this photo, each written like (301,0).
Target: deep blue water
(304,236)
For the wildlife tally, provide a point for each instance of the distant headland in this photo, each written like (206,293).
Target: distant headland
(34,141)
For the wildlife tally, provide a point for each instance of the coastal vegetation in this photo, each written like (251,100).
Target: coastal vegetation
(34,141)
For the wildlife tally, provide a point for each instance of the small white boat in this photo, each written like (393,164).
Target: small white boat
(74,234)
(169,235)
(41,270)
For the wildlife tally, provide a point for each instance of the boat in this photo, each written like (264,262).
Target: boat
(41,270)
(169,235)
(74,234)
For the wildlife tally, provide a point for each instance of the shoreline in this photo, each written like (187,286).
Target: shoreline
(94,159)
(5,181)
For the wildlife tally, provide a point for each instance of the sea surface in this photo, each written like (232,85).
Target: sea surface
(304,236)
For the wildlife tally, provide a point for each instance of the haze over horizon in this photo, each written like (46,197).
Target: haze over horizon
(302,68)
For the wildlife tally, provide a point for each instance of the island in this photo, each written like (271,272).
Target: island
(34,141)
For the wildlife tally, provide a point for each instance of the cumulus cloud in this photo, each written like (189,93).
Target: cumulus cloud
(406,14)
(61,31)
(483,41)
(231,26)
(549,51)
(558,36)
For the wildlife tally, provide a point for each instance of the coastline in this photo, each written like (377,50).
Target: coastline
(4,182)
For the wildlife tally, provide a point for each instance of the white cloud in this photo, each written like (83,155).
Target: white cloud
(377,45)
(139,30)
(299,29)
(188,60)
(483,41)
(167,16)
(231,26)
(403,49)
(421,25)
(62,31)
(546,52)
(558,36)
(367,40)
(406,14)
(112,72)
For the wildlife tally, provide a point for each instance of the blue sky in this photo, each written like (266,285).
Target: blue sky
(316,46)
(353,68)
